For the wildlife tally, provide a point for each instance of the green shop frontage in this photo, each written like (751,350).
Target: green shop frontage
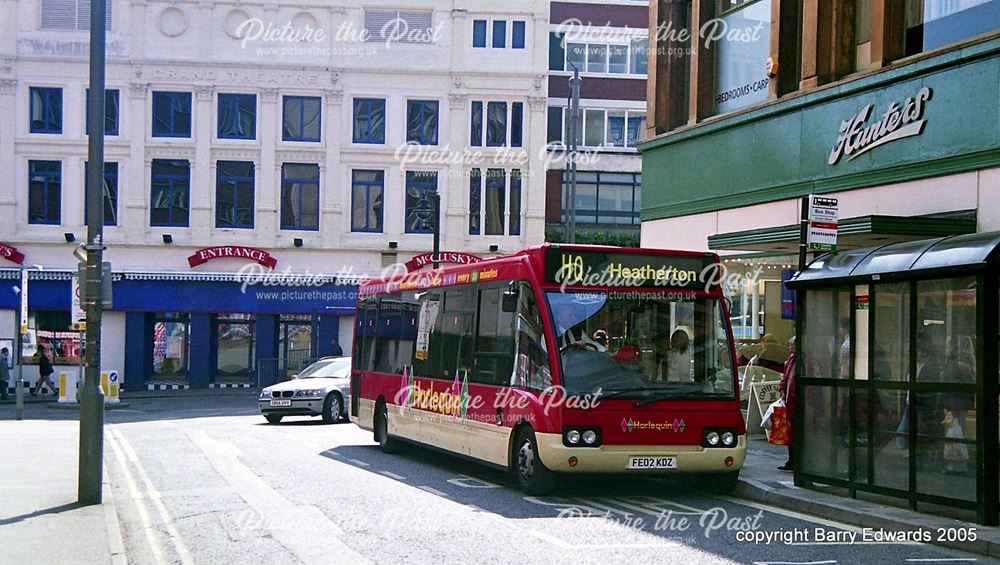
(898,374)
(911,151)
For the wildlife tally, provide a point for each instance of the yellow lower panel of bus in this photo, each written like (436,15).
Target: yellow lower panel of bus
(615,458)
(480,440)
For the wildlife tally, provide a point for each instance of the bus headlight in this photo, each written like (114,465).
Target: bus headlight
(581,436)
(729,439)
(712,438)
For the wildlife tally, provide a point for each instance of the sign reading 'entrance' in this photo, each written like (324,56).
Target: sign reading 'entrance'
(232,252)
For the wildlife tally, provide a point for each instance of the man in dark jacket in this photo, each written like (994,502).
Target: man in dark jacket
(44,370)
(335,349)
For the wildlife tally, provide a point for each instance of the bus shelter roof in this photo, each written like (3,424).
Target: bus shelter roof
(906,260)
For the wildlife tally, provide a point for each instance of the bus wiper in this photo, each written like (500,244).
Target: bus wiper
(622,391)
(654,398)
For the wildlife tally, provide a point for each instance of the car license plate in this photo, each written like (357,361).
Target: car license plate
(636,462)
(281,403)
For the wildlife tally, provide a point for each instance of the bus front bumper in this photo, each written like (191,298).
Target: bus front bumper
(615,458)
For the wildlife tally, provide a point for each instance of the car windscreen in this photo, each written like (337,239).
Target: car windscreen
(328,368)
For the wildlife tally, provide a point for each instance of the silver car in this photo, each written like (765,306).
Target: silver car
(321,389)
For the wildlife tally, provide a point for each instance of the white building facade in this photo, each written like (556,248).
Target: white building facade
(305,137)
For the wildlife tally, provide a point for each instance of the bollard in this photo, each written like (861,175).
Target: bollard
(19,399)
(67,387)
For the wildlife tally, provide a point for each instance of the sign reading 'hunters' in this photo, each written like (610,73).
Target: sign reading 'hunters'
(856,136)
(604,268)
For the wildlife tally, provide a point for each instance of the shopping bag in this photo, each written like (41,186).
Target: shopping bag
(954,451)
(779,426)
(765,421)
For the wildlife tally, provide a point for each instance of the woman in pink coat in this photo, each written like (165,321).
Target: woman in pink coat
(787,389)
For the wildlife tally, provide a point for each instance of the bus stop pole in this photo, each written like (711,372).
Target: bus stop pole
(800,311)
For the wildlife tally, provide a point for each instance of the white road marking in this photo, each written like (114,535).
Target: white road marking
(432,490)
(793,562)
(472,482)
(137,496)
(943,560)
(357,462)
(392,475)
(789,513)
(296,527)
(183,554)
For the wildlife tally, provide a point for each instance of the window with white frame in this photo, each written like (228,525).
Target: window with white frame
(496,124)
(70,15)
(495,202)
(610,128)
(497,34)
(625,57)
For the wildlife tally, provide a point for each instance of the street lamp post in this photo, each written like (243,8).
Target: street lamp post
(436,252)
(572,145)
(91,400)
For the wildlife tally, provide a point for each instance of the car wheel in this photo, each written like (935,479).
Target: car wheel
(332,408)
(272,418)
(385,443)
(533,476)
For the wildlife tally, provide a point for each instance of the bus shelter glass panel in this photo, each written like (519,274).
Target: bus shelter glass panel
(827,348)
(891,464)
(825,433)
(946,445)
(946,338)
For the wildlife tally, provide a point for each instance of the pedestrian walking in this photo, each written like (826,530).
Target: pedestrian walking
(4,372)
(44,370)
(335,349)
(787,389)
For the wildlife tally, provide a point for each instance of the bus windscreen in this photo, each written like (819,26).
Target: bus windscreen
(642,344)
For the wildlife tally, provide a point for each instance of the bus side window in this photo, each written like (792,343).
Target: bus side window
(494,340)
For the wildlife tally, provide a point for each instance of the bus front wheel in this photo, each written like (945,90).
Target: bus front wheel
(532,476)
(385,443)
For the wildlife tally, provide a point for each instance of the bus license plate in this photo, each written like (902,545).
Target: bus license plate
(636,462)
(281,403)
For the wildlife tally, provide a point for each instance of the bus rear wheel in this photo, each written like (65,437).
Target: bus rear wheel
(386,443)
(532,475)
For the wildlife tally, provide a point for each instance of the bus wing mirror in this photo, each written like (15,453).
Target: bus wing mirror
(509,301)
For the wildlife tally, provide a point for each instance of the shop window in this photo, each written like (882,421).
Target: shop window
(171,114)
(422,122)
(49,334)
(299,196)
(237,342)
(171,344)
(170,193)
(234,194)
(740,78)
(237,116)
(300,118)
(110,193)
(110,112)
(420,188)
(294,343)
(44,192)
(369,120)
(934,23)
(367,188)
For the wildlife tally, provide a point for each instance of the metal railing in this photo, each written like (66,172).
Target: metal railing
(277,370)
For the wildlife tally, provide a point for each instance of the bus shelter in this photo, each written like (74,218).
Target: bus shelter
(898,370)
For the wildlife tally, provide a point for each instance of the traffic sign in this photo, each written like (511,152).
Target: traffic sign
(78,319)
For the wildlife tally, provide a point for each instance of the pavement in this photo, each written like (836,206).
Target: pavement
(41,522)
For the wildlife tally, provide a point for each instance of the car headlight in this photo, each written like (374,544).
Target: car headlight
(573,437)
(309,392)
(266,393)
(589,437)
(728,438)
(712,438)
